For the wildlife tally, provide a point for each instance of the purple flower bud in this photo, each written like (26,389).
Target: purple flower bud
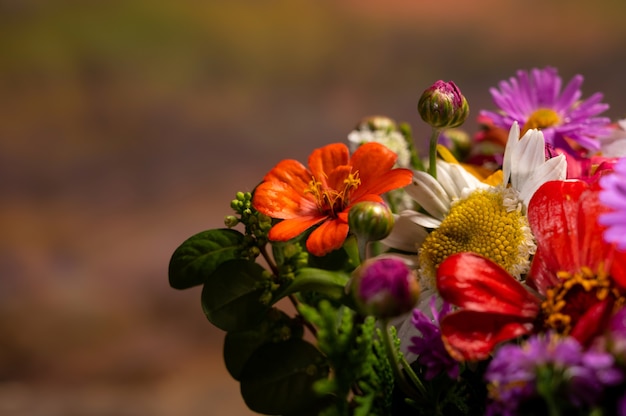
(443,105)
(385,287)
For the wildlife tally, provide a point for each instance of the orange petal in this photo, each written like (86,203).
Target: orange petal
(372,160)
(291,172)
(393,179)
(281,200)
(290,228)
(325,159)
(327,237)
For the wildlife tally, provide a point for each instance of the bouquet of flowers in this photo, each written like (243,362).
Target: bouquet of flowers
(488,277)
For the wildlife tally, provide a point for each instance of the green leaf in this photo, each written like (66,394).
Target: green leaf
(198,256)
(308,279)
(278,378)
(239,345)
(231,295)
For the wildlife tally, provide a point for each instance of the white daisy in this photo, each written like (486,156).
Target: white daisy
(463,214)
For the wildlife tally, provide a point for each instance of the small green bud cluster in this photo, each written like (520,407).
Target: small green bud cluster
(256,225)
(269,286)
(292,257)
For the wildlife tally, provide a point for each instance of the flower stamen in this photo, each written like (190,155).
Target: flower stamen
(541,119)
(331,201)
(578,291)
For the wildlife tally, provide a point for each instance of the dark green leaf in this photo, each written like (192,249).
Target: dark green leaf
(239,345)
(278,378)
(231,295)
(198,256)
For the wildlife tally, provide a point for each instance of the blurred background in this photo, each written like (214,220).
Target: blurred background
(126,126)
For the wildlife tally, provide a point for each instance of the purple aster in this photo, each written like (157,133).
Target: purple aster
(613,196)
(534,99)
(429,347)
(551,365)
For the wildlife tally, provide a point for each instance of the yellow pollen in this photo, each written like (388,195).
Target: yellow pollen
(332,201)
(540,119)
(482,224)
(574,295)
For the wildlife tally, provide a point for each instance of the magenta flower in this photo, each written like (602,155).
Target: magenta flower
(613,196)
(534,99)
(385,287)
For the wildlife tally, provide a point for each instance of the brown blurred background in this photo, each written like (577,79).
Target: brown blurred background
(126,126)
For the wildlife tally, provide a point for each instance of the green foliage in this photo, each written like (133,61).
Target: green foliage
(278,378)
(231,295)
(240,345)
(359,365)
(200,255)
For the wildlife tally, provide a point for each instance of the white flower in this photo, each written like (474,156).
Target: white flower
(463,214)
(614,145)
(392,139)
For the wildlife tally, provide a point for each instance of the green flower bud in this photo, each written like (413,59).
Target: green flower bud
(370,221)
(231,221)
(374,123)
(384,287)
(443,105)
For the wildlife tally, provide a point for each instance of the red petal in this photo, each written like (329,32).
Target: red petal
(324,160)
(475,283)
(553,218)
(593,322)
(290,228)
(472,335)
(327,237)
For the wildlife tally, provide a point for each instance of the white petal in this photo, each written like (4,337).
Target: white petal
(529,155)
(554,169)
(429,194)
(509,149)
(406,235)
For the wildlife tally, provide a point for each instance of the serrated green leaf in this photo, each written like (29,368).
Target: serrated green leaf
(198,256)
(278,378)
(231,295)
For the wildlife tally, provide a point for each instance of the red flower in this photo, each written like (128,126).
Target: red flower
(324,193)
(576,279)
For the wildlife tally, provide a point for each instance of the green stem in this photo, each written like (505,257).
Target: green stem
(404,385)
(432,152)
(414,378)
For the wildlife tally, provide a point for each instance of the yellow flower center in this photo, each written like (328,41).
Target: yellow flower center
(332,201)
(540,119)
(577,292)
(484,224)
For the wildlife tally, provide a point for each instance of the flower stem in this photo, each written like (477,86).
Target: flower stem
(404,385)
(432,152)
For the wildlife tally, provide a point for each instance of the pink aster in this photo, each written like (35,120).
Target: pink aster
(535,100)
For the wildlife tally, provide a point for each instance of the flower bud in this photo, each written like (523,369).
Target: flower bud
(374,123)
(443,105)
(384,287)
(370,221)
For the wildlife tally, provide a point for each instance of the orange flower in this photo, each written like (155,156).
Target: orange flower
(324,193)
